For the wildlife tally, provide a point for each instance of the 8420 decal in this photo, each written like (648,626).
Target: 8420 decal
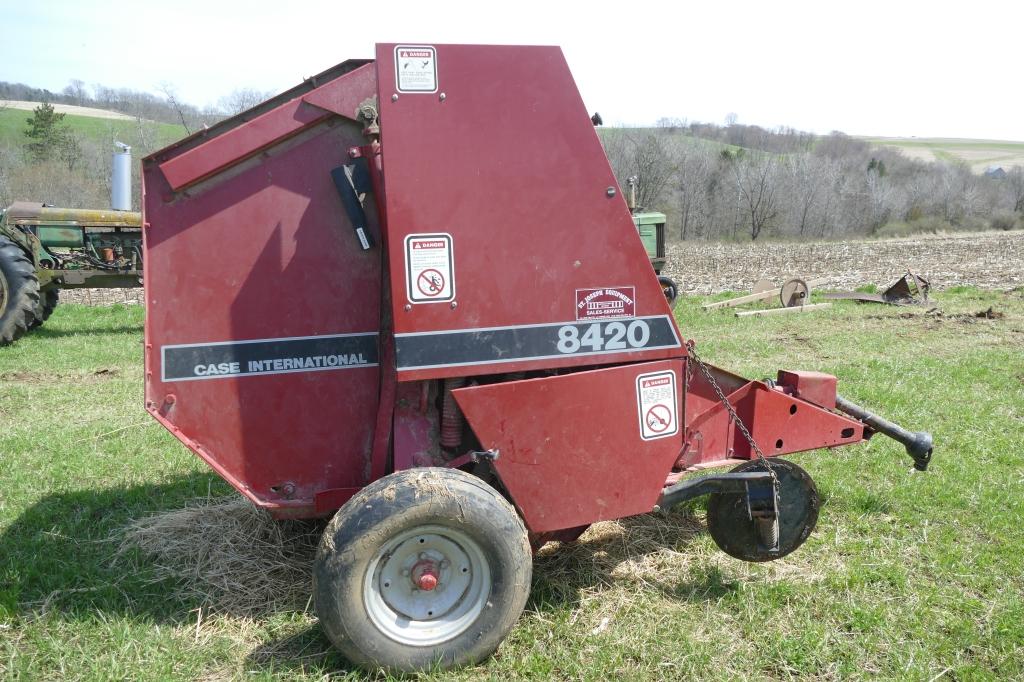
(607,336)
(496,345)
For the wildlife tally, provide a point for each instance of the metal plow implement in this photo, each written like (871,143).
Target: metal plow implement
(432,318)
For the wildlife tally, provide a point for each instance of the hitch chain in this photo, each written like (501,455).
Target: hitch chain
(702,366)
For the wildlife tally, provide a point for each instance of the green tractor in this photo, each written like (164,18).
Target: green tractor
(651,226)
(45,249)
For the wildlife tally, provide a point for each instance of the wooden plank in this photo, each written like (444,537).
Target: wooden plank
(757,296)
(778,311)
(740,300)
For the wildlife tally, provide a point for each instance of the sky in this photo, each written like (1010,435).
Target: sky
(898,68)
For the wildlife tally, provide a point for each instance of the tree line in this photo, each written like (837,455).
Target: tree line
(165,107)
(746,182)
(713,181)
(53,162)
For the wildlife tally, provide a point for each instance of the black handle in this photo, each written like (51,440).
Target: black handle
(346,180)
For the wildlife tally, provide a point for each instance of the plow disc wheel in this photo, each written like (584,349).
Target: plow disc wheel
(739,536)
(423,569)
(794,292)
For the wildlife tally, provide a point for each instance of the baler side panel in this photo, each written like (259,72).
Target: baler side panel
(503,161)
(259,264)
(570,448)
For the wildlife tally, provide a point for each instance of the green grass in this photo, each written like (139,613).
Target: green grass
(99,130)
(908,576)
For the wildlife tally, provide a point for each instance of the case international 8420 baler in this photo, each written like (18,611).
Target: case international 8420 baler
(431,318)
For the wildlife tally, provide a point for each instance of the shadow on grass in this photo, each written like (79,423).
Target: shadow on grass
(57,560)
(650,550)
(54,333)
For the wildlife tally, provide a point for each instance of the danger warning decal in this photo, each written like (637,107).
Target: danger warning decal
(656,402)
(605,303)
(429,268)
(222,359)
(415,68)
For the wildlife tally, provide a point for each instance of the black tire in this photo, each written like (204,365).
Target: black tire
(19,292)
(669,288)
(733,531)
(378,532)
(48,300)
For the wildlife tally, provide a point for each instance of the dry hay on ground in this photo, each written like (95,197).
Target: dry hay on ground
(228,555)
(234,559)
(993,260)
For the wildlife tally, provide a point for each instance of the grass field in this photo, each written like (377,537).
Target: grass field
(98,130)
(978,154)
(909,576)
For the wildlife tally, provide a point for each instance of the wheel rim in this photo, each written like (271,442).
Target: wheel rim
(426,585)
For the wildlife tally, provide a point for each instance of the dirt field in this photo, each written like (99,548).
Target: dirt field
(990,260)
(979,154)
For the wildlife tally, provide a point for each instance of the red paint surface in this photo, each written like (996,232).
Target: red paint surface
(265,251)
(509,164)
(341,96)
(570,446)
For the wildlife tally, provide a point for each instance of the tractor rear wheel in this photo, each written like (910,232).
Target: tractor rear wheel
(48,300)
(423,569)
(19,292)
(669,288)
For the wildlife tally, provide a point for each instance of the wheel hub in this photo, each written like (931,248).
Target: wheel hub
(425,574)
(427,585)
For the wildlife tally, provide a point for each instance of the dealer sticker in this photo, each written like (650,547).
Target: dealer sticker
(605,303)
(429,268)
(415,68)
(656,401)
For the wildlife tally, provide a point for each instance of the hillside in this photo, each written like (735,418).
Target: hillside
(979,154)
(97,125)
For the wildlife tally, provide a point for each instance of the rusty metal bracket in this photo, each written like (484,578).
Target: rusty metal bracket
(911,289)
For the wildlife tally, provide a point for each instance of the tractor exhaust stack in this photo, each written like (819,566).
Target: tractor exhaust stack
(121,178)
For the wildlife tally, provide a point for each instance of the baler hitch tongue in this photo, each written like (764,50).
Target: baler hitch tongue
(919,443)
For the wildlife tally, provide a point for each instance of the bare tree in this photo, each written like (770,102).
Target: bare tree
(1015,181)
(756,185)
(645,154)
(242,99)
(693,171)
(77,91)
(168,92)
